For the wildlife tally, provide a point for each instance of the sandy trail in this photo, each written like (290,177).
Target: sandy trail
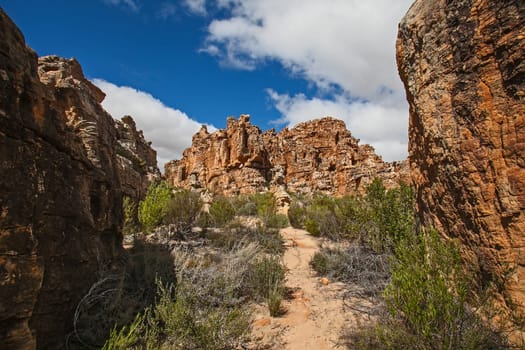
(314,315)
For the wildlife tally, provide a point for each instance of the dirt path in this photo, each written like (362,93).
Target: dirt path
(314,316)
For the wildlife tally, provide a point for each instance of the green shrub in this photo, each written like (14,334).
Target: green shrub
(266,274)
(427,302)
(275,298)
(297,214)
(119,295)
(321,217)
(131,224)
(389,215)
(189,324)
(276,221)
(350,214)
(125,337)
(266,281)
(389,334)
(312,226)
(177,321)
(244,204)
(428,289)
(204,220)
(428,293)
(321,261)
(379,219)
(203,310)
(270,240)
(265,203)
(152,210)
(183,209)
(221,211)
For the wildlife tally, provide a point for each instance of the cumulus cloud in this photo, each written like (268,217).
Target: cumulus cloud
(167,9)
(131,4)
(346,44)
(197,7)
(170,130)
(382,125)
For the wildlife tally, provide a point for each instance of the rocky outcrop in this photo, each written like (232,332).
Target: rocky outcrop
(137,160)
(60,194)
(463,66)
(315,156)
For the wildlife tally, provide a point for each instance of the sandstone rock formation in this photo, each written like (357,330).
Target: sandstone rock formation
(60,193)
(137,160)
(315,156)
(463,66)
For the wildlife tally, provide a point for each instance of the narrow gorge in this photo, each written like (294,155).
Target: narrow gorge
(65,165)
(241,201)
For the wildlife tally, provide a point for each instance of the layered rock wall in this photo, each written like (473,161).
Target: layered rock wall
(60,192)
(136,158)
(315,156)
(463,66)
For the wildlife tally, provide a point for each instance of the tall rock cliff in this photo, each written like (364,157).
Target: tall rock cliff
(137,160)
(60,193)
(315,156)
(463,66)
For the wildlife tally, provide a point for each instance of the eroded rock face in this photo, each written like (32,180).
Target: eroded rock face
(137,160)
(315,156)
(463,66)
(60,194)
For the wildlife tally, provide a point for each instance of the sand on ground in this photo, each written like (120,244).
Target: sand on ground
(314,315)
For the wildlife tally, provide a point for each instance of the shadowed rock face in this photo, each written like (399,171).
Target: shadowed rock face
(315,156)
(463,66)
(136,158)
(60,194)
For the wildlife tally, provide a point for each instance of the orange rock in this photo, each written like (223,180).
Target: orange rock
(462,66)
(315,156)
(297,294)
(61,194)
(262,322)
(325,281)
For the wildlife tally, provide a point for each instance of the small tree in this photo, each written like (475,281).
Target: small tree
(153,209)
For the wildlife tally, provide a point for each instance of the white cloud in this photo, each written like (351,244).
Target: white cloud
(170,130)
(384,126)
(197,7)
(167,9)
(344,43)
(347,42)
(131,4)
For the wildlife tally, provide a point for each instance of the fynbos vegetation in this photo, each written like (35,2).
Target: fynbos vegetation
(202,299)
(429,297)
(426,295)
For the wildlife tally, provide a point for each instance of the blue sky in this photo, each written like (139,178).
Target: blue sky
(174,65)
